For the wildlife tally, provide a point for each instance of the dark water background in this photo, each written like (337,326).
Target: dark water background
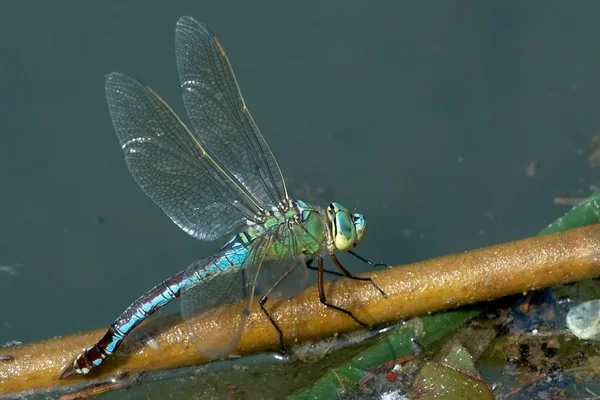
(368,103)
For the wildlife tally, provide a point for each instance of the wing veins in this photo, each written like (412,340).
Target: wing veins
(206,69)
(240,120)
(256,152)
(206,155)
(192,164)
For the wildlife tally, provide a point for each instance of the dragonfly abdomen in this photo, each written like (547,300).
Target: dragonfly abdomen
(137,312)
(231,259)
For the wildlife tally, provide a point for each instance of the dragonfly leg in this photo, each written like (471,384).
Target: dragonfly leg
(347,273)
(262,302)
(327,271)
(264,299)
(323,299)
(372,264)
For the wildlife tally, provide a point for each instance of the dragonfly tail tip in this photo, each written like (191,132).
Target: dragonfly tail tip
(68,371)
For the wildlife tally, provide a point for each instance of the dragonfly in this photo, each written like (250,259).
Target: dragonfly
(216,178)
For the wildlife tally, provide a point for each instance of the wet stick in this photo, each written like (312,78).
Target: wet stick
(412,290)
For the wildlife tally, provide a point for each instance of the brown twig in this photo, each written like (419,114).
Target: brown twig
(412,290)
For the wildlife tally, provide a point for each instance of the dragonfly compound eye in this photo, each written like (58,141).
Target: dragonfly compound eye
(359,224)
(343,228)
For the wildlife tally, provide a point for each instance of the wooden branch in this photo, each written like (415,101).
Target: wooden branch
(412,290)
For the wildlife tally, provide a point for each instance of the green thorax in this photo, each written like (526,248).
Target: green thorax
(300,230)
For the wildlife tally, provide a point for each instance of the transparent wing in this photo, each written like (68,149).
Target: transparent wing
(219,115)
(216,310)
(285,275)
(295,276)
(171,166)
(216,328)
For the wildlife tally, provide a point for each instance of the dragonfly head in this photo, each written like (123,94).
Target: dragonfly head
(345,229)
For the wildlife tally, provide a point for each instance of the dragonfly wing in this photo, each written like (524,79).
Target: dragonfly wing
(293,283)
(283,273)
(216,312)
(217,304)
(219,115)
(284,276)
(217,328)
(170,165)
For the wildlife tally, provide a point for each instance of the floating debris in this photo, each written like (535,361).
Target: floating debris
(594,155)
(390,368)
(584,320)
(10,269)
(393,395)
(568,201)
(488,214)
(313,351)
(532,168)
(12,343)
(119,382)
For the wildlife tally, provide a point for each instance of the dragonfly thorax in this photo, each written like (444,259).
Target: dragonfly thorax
(345,229)
(286,209)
